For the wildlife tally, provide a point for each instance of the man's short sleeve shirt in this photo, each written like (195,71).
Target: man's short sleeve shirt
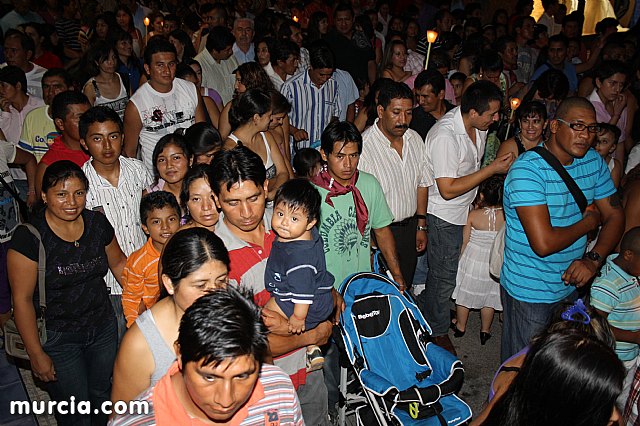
(533,182)
(345,248)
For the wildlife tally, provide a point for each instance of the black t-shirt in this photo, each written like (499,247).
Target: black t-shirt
(77,296)
(352,55)
(422,121)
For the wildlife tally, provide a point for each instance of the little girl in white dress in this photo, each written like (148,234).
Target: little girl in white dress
(475,289)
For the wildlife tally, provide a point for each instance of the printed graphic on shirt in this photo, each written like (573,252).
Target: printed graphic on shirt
(118,105)
(272,418)
(341,235)
(48,139)
(158,117)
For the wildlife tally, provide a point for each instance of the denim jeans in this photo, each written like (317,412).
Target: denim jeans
(443,251)
(5,290)
(118,310)
(331,370)
(313,400)
(83,363)
(422,270)
(523,320)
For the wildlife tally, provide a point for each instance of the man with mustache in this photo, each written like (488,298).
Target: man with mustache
(396,156)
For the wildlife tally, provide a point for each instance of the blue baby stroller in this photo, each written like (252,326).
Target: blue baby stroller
(407,379)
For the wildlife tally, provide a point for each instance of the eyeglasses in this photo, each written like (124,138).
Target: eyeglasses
(579,127)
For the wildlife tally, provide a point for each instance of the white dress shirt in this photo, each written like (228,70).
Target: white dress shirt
(451,153)
(399,177)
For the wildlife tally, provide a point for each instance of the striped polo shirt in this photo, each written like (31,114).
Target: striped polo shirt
(273,401)
(248,264)
(618,293)
(533,182)
(399,176)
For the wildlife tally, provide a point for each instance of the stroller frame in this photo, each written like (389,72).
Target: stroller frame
(436,399)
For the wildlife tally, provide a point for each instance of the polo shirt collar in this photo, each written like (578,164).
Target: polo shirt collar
(611,264)
(167,406)
(231,241)
(594,97)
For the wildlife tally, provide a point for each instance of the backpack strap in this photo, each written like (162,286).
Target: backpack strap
(575,190)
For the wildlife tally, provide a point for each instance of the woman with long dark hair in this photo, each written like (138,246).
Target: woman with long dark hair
(197,199)
(318,26)
(184,46)
(568,378)
(205,141)
(124,19)
(194,262)
(249,75)
(129,65)
(394,61)
(171,159)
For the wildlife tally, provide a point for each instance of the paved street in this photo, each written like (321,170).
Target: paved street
(480,362)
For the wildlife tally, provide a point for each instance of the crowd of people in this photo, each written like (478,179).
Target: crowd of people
(186,163)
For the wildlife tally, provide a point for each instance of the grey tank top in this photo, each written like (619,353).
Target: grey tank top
(163,356)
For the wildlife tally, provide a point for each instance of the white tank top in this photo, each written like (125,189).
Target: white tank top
(162,113)
(118,104)
(268,165)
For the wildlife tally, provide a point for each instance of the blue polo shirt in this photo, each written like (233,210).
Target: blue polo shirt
(532,182)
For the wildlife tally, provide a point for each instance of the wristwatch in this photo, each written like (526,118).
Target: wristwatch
(594,256)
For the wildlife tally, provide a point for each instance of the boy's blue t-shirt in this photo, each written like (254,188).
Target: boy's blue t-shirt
(532,182)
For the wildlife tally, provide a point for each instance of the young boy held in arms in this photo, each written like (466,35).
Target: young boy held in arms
(296,274)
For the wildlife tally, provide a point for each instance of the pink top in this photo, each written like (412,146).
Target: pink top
(449,93)
(603,116)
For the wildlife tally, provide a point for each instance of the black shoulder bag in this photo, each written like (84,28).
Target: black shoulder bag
(577,193)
